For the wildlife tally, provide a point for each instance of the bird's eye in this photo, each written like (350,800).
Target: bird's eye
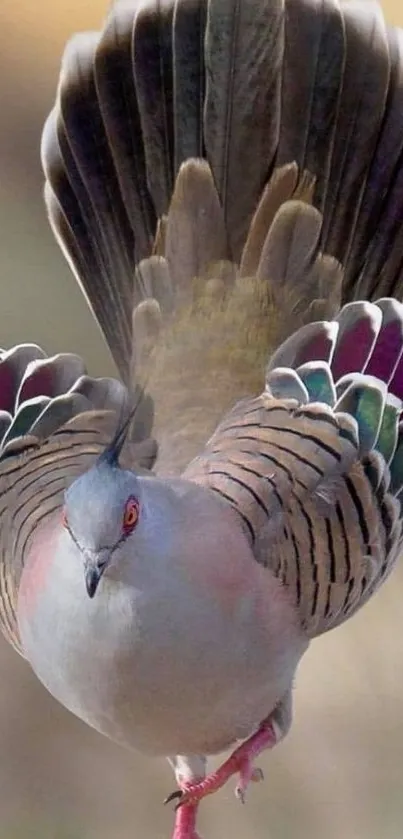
(130,515)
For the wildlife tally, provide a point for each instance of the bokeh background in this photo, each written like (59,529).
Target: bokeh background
(339,774)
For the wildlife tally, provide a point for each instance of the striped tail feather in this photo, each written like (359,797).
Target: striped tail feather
(314,466)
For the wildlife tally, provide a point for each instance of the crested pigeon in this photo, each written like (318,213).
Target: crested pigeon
(224,179)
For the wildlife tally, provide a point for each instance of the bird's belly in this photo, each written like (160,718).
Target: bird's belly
(152,675)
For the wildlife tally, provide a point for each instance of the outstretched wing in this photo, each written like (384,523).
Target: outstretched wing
(55,420)
(314,465)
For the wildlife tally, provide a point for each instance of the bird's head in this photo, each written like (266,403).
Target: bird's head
(101,512)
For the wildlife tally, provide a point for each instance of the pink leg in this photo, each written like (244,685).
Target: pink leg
(240,761)
(185,821)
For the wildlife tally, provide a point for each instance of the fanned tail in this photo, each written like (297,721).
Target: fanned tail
(283,99)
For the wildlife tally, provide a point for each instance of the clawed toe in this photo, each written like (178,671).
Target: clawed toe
(247,774)
(176,794)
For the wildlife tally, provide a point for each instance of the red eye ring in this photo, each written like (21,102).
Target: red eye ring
(131,514)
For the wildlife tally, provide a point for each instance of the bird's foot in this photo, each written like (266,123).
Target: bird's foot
(241,761)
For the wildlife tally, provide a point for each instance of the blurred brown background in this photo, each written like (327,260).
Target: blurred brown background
(339,775)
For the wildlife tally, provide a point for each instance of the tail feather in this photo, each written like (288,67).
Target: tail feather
(244,45)
(291,244)
(117,98)
(280,188)
(292,265)
(75,138)
(153,278)
(383,267)
(362,103)
(196,237)
(152,56)
(70,222)
(83,130)
(381,175)
(189,81)
(313,68)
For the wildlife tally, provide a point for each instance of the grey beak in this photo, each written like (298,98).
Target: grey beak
(94,568)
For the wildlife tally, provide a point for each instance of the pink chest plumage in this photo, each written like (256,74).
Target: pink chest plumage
(37,565)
